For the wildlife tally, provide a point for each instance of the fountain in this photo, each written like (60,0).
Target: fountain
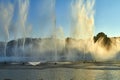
(80,46)
(30,51)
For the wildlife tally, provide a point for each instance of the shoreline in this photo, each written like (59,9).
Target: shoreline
(52,65)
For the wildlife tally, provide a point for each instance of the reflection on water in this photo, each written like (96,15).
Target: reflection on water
(61,73)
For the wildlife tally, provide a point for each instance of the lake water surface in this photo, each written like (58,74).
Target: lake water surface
(87,71)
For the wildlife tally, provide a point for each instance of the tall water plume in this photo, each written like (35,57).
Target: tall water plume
(82,19)
(23,13)
(82,26)
(6,14)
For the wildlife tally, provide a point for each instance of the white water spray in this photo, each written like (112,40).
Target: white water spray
(23,13)
(82,17)
(6,14)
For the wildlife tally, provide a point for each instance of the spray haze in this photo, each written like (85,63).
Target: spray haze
(47,18)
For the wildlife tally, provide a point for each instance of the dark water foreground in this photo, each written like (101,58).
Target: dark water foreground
(60,71)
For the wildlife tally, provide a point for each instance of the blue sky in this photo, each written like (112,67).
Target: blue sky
(107,16)
(37,14)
